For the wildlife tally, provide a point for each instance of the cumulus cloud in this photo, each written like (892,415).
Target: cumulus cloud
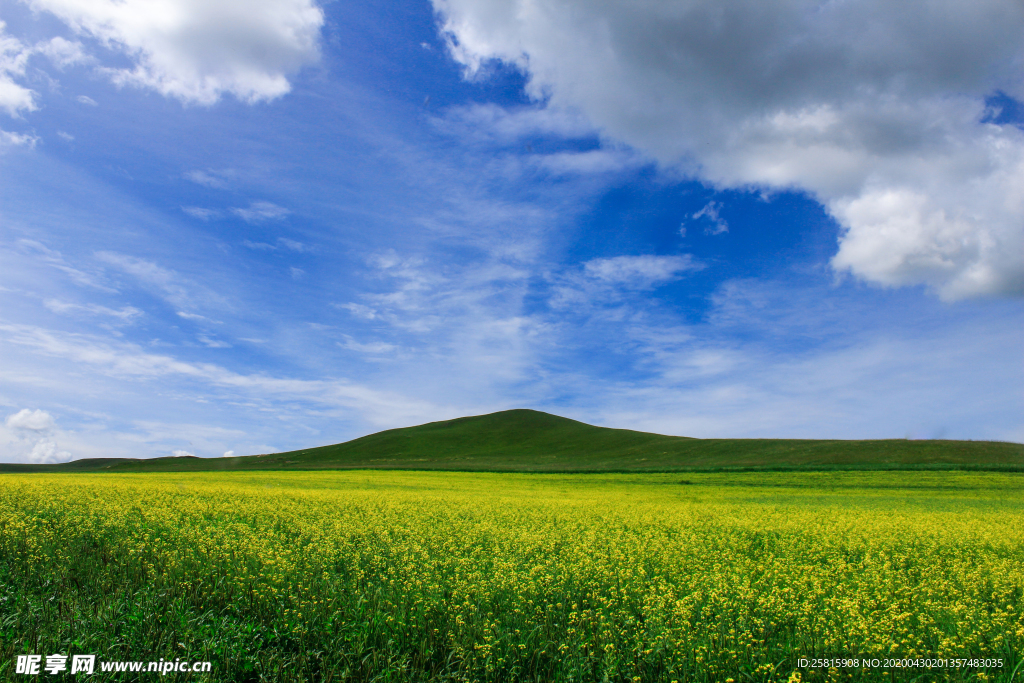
(8,139)
(197,51)
(876,109)
(14,98)
(63,53)
(35,436)
(46,451)
(182,454)
(31,420)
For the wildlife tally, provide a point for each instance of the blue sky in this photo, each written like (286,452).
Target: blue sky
(244,227)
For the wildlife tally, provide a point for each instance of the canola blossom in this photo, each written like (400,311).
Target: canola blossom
(433,576)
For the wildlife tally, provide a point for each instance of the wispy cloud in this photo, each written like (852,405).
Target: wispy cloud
(166,282)
(259,212)
(55,259)
(369,347)
(493,123)
(281,243)
(710,214)
(126,314)
(212,343)
(196,317)
(201,213)
(640,271)
(217,179)
(292,244)
(117,359)
(611,280)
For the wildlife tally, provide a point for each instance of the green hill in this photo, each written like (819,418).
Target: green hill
(528,440)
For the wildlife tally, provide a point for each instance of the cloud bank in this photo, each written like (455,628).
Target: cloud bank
(876,109)
(199,50)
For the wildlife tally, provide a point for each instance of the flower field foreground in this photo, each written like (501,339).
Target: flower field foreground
(411,576)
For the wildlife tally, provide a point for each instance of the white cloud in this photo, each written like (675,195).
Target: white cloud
(710,212)
(63,53)
(358,310)
(195,317)
(34,432)
(211,343)
(197,51)
(640,271)
(292,244)
(261,211)
(32,248)
(46,451)
(616,280)
(166,281)
(8,139)
(85,99)
(228,454)
(126,314)
(371,347)
(68,137)
(182,454)
(489,122)
(31,420)
(200,213)
(14,55)
(874,108)
(117,360)
(210,178)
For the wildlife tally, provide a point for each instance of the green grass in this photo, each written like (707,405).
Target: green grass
(406,577)
(532,441)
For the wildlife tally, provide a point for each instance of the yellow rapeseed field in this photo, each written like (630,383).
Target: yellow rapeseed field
(406,576)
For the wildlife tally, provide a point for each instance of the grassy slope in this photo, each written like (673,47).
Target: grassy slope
(528,440)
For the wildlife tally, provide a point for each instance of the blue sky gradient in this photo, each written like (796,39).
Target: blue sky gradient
(408,235)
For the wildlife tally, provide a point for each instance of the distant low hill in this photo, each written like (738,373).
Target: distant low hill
(532,441)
